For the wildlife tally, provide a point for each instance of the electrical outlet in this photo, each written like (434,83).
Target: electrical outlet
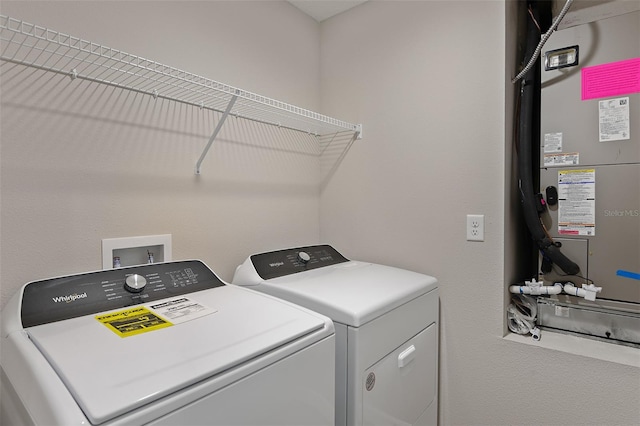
(475,227)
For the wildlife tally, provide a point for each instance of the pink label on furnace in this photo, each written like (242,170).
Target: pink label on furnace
(612,79)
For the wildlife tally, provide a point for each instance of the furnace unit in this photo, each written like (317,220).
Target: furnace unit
(590,174)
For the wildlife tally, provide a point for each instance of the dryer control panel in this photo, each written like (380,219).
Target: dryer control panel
(291,261)
(58,299)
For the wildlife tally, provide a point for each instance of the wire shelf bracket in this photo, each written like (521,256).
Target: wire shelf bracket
(37,47)
(215,132)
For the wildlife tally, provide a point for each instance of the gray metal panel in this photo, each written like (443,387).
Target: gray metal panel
(575,249)
(563,111)
(616,243)
(623,326)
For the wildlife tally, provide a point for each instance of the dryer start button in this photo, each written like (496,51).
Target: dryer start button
(135,283)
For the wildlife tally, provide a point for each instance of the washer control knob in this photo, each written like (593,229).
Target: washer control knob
(303,256)
(135,283)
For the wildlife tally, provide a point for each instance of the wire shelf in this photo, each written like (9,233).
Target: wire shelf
(37,47)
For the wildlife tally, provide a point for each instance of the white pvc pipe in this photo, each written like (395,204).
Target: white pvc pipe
(536,290)
(587,291)
(574,291)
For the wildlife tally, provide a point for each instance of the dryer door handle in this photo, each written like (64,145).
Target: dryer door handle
(406,356)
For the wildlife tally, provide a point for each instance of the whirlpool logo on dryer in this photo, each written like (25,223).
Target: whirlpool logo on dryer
(276,264)
(70,298)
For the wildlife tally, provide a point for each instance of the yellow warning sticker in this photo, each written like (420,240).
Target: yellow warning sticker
(133,321)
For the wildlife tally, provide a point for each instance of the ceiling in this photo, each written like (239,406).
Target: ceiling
(323,9)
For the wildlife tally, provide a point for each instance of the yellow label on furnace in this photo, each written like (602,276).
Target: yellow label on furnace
(133,321)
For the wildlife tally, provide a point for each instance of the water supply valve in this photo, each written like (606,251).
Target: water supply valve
(536,288)
(588,291)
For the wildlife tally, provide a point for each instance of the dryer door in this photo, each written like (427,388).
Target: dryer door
(402,385)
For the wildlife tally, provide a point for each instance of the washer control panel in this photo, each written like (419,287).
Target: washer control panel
(57,299)
(291,261)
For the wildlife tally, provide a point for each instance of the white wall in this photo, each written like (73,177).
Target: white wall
(82,162)
(430,82)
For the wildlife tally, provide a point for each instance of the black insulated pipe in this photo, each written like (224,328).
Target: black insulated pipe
(529,87)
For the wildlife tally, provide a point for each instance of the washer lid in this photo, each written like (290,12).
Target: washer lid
(109,375)
(351,293)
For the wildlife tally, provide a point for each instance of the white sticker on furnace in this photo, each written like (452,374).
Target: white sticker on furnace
(181,309)
(552,142)
(564,159)
(577,202)
(562,311)
(614,119)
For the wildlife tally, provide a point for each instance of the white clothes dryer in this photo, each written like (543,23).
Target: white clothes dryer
(386,322)
(162,344)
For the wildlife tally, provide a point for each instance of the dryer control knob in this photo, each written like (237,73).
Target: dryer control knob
(135,283)
(303,257)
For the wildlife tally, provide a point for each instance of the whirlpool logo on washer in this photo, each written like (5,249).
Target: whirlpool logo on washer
(70,298)
(276,264)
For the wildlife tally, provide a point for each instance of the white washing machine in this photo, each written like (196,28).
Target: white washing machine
(162,344)
(386,323)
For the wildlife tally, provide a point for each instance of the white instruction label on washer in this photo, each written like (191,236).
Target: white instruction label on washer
(614,119)
(181,309)
(577,202)
(564,159)
(552,142)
